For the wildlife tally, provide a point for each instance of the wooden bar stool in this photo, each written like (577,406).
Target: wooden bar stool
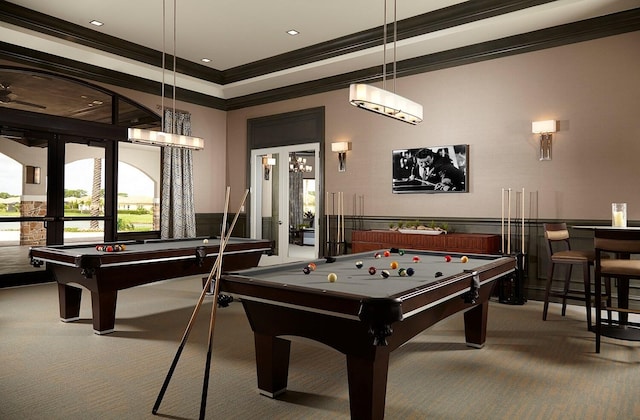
(560,253)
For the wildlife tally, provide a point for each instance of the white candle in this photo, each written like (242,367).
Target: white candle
(618,219)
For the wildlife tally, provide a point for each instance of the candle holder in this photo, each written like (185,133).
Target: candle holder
(619,214)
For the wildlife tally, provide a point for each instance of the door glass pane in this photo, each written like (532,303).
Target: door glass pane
(138,188)
(83,193)
(23,201)
(270,199)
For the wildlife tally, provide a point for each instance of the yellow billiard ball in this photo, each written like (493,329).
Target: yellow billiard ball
(393,265)
(332,277)
(464,259)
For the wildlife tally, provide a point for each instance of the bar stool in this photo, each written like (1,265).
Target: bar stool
(613,250)
(560,253)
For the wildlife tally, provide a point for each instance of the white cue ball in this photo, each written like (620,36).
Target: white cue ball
(205,241)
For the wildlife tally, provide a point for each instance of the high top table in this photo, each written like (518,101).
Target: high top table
(621,330)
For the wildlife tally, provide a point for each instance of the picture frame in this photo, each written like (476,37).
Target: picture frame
(431,169)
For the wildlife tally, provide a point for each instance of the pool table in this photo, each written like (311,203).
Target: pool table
(104,273)
(364,316)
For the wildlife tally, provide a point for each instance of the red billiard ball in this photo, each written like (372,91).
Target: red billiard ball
(372,270)
(387,253)
(109,248)
(377,255)
(447,258)
(312,266)
(416,259)
(100,248)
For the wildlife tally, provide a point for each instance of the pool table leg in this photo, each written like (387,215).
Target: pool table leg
(103,306)
(368,384)
(475,325)
(272,364)
(69,298)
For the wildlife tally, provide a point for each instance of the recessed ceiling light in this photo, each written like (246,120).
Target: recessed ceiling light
(96,23)
(206,60)
(292,32)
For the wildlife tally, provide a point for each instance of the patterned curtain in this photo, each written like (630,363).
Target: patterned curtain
(295,199)
(178,218)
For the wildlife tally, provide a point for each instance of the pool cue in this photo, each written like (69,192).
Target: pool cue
(509,223)
(502,223)
(194,315)
(522,250)
(212,322)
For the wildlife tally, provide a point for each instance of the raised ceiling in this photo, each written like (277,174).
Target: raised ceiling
(254,60)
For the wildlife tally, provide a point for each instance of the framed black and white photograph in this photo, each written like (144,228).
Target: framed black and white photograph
(431,169)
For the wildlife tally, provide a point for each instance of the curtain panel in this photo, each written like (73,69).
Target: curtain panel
(178,218)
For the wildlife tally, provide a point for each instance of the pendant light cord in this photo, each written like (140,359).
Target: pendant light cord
(384,45)
(164,24)
(173,119)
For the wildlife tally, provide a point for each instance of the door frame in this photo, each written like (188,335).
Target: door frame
(256,170)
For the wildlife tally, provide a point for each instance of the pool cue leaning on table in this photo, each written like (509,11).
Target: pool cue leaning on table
(212,324)
(216,266)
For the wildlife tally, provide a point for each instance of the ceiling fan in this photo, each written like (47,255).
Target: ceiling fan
(8,97)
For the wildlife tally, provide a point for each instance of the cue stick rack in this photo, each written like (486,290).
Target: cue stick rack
(334,225)
(512,241)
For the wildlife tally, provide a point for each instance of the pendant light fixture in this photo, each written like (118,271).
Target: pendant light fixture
(382,101)
(162,138)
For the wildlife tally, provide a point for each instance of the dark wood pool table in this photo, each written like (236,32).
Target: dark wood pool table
(364,316)
(104,273)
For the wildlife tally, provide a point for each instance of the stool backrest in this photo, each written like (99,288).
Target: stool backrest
(556,233)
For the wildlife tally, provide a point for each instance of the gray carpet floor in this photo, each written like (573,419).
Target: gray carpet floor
(529,369)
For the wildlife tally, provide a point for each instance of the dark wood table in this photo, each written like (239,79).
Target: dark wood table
(104,273)
(618,329)
(363,316)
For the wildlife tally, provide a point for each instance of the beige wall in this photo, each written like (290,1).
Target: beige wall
(591,88)
(210,163)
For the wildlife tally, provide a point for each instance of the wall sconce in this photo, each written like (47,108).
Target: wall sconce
(544,128)
(267,163)
(33,174)
(341,148)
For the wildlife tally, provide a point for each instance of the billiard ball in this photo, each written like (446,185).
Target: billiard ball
(123,247)
(377,255)
(438,274)
(372,270)
(402,272)
(384,274)
(447,258)
(401,252)
(359,264)
(393,265)
(387,253)
(416,259)
(116,248)
(100,248)
(109,248)
(306,270)
(410,271)
(464,259)
(332,277)
(205,241)
(312,266)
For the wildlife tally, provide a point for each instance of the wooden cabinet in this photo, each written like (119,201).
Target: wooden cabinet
(469,243)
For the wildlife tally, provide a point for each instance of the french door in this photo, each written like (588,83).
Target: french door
(284,204)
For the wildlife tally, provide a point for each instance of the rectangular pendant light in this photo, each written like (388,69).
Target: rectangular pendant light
(384,102)
(160,138)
